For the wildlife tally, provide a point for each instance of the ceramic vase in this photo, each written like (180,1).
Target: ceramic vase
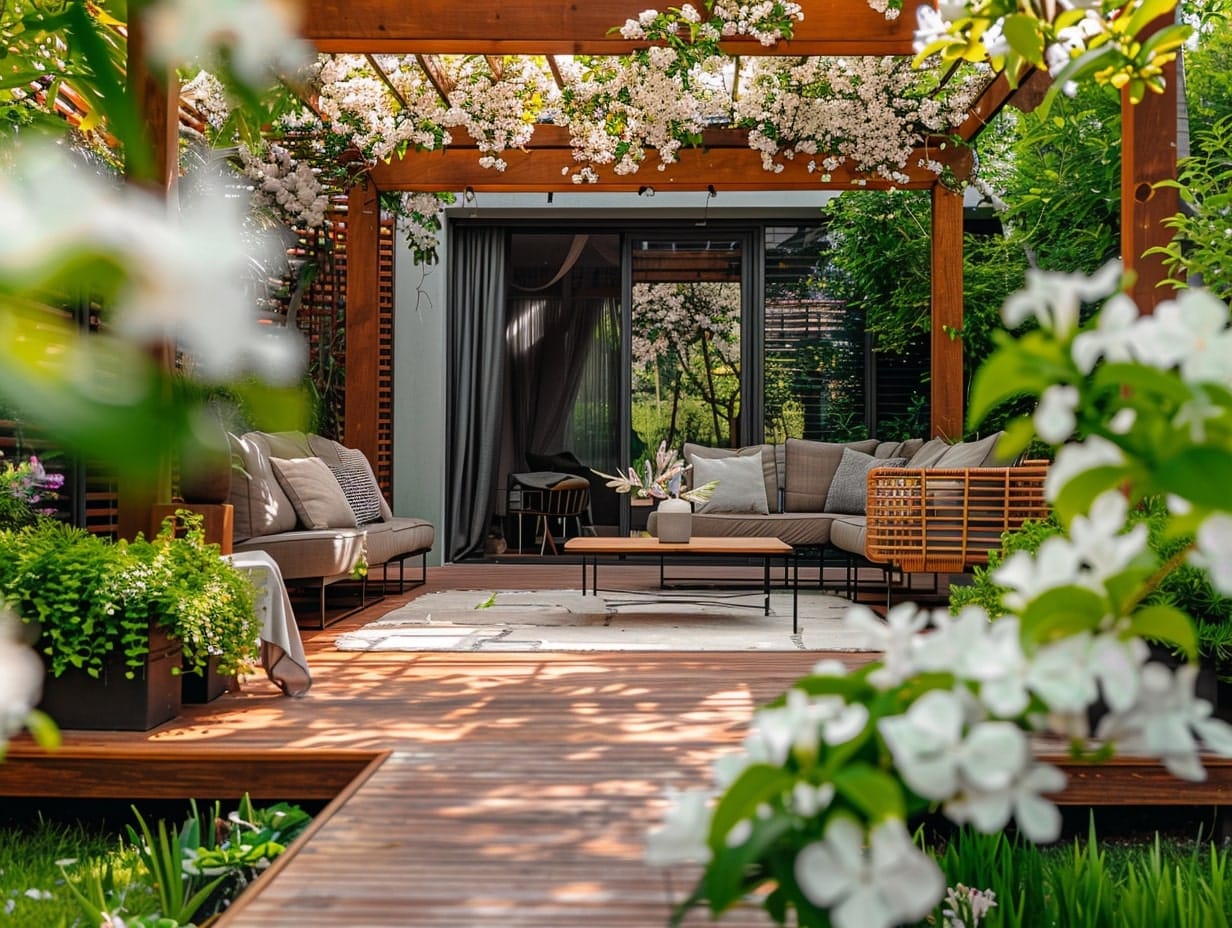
(675,521)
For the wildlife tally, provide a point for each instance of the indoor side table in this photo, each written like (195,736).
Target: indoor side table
(591,549)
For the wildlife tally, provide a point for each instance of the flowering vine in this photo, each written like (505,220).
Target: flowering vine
(817,803)
(874,112)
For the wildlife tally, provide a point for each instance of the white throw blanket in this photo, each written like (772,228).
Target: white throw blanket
(282,650)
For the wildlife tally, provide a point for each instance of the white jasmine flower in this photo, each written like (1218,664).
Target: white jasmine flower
(1061,676)
(1054,299)
(807,800)
(934,758)
(1112,337)
(886,883)
(1076,458)
(686,826)
(1164,720)
(895,637)
(1190,331)
(21,678)
(1098,538)
(1054,417)
(798,728)
(990,810)
(1213,551)
(1026,576)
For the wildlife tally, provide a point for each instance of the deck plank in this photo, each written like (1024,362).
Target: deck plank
(514,789)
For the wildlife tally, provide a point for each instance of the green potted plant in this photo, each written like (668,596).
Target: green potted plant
(120,617)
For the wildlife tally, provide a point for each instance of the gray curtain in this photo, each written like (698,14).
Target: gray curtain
(549,340)
(476,384)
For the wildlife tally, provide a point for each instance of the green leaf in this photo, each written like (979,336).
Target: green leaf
(1060,612)
(1076,496)
(732,872)
(875,793)
(1025,36)
(754,786)
(1166,623)
(1194,473)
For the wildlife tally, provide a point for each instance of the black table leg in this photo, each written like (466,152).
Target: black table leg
(766,581)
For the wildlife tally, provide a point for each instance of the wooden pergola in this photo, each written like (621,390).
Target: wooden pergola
(830,27)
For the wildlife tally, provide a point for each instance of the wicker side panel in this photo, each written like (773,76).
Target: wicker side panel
(948,520)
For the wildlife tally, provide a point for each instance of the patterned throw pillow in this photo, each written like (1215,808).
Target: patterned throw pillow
(361,491)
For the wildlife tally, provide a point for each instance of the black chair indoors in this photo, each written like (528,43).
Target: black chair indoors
(552,499)
(604,508)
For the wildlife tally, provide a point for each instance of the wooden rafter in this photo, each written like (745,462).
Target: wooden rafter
(554,67)
(533,27)
(389,85)
(436,74)
(724,160)
(990,102)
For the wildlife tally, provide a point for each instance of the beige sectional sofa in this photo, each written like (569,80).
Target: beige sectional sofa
(929,496)
(315,507)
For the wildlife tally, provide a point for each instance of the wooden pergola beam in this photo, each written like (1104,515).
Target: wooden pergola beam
(533,27)
(724,161)
(946,386)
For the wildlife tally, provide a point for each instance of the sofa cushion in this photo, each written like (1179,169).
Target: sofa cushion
(358,485)
(397,538)
(261,507)
(809,468)
(798,529)
(926,455)
(848,532)
(848,491)
(314,492)
(287,444)
(898,449)
(741,484)
(764,452)
(329,554)
(981,453)
(330,452)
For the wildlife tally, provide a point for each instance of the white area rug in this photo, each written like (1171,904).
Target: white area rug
(565,620)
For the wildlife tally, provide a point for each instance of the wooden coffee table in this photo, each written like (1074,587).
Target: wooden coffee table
(592,549)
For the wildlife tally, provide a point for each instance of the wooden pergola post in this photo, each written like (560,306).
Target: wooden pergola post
(157,99)
(946,395)
(1148,156)
(362,318)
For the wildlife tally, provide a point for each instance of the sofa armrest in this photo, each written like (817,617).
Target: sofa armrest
(947,520)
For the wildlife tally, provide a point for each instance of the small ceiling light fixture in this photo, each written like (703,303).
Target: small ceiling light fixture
(549,197)
(468,197)
(711,193)
(645,191)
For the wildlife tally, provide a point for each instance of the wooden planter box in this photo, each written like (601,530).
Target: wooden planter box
(112,702)
(204,686)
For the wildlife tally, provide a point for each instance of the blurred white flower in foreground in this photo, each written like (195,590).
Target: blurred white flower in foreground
(261,35)
(21,679)
(181,278)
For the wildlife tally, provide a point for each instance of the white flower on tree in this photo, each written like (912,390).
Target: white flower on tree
(875,883)
(1164,721)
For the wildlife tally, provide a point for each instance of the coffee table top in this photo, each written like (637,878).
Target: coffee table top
(758,547)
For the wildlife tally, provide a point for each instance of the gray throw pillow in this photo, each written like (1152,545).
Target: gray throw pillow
(848,492)
(742,484)
(314,492)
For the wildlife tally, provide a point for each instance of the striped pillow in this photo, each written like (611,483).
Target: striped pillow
(355,478)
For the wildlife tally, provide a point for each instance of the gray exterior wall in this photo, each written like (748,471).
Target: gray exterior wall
(420,304)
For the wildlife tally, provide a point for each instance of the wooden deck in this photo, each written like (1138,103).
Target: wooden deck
(476,789)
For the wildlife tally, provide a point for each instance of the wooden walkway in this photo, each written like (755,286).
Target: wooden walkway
(475,789)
